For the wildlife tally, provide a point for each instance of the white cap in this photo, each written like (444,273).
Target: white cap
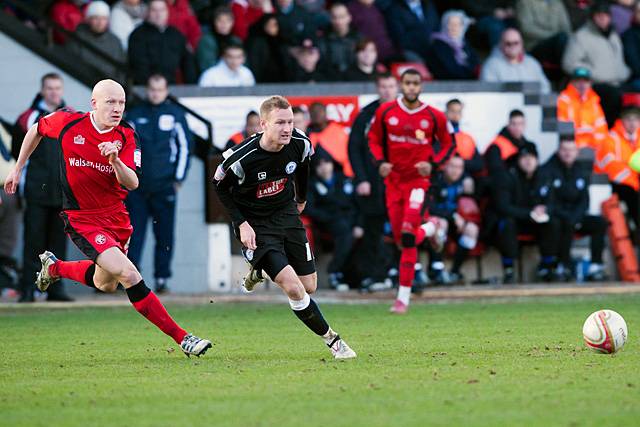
(97,8)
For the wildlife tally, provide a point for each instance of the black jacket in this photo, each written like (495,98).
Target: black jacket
(444,66)
(42,182)
(363,163)
(443,196)
(165,52)
(631,44)
(567,190)
(514,196)
(330,201)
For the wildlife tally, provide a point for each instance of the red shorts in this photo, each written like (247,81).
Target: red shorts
(95,231)
(406,205)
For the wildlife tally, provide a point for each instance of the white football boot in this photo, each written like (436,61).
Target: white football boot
(44,279)
(340,349)
(192,345)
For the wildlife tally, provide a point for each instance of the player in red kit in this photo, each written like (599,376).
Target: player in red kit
(408,139)
(100,163)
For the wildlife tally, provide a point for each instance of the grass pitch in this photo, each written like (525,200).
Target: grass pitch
(486,364)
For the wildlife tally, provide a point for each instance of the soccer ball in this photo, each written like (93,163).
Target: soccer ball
(605,331)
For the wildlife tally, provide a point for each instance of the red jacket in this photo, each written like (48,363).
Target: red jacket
(244,16)
(66,14)
(181,17)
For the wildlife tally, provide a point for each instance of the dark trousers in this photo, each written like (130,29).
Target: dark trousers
(341,231)
(43,230)
(593,226)
(545,234)
(161,208)
(372,256)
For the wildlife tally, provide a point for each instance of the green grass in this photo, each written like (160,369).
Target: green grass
(487,364)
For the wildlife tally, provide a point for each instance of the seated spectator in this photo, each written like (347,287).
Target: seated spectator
(300,119)
(501,153)
(251,126)
(510,63)
(266,55)
(519,206)
(332,136)
(95,31)
(68,14)
(465,143)
(631,45)
(230,70)
(215,38)
(451,57)
(246,13)
(331,205)
(447,188)
(364,68)
(155,47)
(182,18)
(492,17)
(295,22)
(126,15)
(338,44)
(367,19)
(545,29)
(578,11)
(598,48)
(305,63)
(567,184)
(410,24)
(578,103)
(613,156)
(622,15)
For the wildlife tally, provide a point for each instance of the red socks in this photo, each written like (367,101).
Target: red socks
(408,259)
(74,270)
(148,304)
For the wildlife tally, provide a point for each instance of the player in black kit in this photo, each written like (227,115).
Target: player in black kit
(263,184)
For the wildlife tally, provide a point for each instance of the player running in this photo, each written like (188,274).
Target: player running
(408,139)
(100,157)
(263,184)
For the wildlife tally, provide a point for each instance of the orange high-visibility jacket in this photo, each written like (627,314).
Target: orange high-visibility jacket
(590,125)
(613,155)
(465,145)
(334,139)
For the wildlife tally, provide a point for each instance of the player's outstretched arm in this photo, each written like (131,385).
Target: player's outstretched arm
(126,176)
(29,144)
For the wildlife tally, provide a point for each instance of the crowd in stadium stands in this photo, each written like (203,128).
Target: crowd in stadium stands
(587,51)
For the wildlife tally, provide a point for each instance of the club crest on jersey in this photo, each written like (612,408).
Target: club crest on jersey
(420,134)
(262,175)
(118,144)
(101,239)
(248,254)
(393,120)
(290,168)
(78,139)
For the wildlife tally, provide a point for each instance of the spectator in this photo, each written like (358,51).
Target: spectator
(501,153)
(213,40)
(369,21)
(338,46)
(296,24)
(568,186)
(182,18)
(165,143)
(447,188)
(451,57)
(251,126)
(492,17)
(598,48)
(520,205)
(510,63)
(42,189)
(331,206)
(631,45)
(622,15)
(332,136)
(305,66)
(67,14)
(246,13)
(300,119)
(9,216)
(370,258)
(230,70)
(578,11)
(545,29)
(126,15)
(155,47)
(95,31)
(265,51)
(410,24)
(579,104)
(465,143)
(613,156)
(364,67)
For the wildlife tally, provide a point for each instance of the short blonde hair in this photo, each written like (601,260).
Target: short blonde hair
(275,102)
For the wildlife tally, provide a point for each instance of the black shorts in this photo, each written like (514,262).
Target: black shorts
(283,236)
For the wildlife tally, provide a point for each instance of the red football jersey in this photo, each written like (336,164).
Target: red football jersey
(405,137)
(88,180)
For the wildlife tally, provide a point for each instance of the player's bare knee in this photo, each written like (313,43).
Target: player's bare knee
(129,276)
(310,283)
(107,286)
(293,289)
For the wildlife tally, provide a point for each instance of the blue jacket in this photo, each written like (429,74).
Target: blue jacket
(407,31)
(165,141)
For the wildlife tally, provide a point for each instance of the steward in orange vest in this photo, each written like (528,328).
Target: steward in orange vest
(501,153)
(465,144)
(251,126)
(613,155)
(332,136)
